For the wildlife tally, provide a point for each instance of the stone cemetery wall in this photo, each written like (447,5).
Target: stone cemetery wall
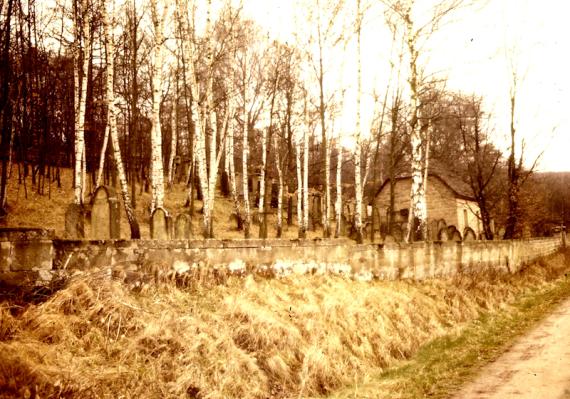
(32,255)
(26,255)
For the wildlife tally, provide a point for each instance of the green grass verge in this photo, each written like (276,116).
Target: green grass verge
(442,366)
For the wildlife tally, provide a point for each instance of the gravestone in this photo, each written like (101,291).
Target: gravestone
(105,215)
(263,225)
(159,224)
(500,234)
(433,230)
(442,234)
(75,222)
(274,195)
(453,233)
(397,233)
(469,234)
(389,239)
(526,233)
(225,184)
(441,225)
(183,227)
(239,184)
(318,207)
(289,210)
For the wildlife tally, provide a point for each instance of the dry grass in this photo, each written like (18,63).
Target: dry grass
(247,338)
(27,208)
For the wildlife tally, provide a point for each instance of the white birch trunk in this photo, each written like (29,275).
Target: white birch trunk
(264,144)
(300,188)
(232,172)
(173,143)
(198,116)
(327,205)
(306,180)
(209,198)
(357,137)
(338,204)
(157,171)
(418,208)
(280,190)
(201,163)
(112,125)
(102,157)
(79,169)
(245,147)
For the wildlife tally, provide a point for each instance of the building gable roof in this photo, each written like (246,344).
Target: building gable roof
(455,184)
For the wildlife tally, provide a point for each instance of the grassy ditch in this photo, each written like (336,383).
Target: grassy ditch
(444,364)
(254,338)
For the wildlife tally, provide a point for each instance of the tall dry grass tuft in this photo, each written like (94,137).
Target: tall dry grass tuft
(246,338)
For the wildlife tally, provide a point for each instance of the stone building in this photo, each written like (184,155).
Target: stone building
(448,199)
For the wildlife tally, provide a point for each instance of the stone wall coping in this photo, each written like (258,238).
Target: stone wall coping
(25,234)
(209,243)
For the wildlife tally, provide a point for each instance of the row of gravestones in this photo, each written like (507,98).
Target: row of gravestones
(105,220)
(438,230)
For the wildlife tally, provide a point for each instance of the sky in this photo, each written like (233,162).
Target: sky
(473,51)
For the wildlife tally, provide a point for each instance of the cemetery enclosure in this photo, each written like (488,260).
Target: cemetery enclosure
(33,255)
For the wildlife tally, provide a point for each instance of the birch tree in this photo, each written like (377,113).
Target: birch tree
(173,138)
(249,79)
(156,167)
(300,188)
(338,203)
(302,162)
(326,36)
(205,116)
(112,120)
(279,167)
(358,133)
(416,35)
(516,173)
(80,70)
(267,139)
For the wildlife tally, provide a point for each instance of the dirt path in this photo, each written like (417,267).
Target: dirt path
(537,366)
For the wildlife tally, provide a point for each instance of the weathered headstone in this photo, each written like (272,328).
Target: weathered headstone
(453,233)
(105,215)
(225,184)
(526,233)
(274,195)
(75,222)
(397,233)
(500,234)
(433,230)
(160,224)
(183,227)
(263,225)
(441,225)
(469,234)
(239,183)
(290,211)
(389,239)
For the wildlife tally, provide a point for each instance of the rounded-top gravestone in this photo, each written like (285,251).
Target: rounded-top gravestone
(182,227)
(160,225)
(105,215)
(75,222)
(453,233)
(469,234)
(443,235)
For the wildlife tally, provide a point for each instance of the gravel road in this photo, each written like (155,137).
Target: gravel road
(537,365)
